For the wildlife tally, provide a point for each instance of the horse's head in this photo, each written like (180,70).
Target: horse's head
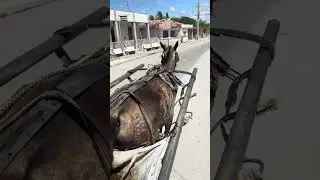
(170,56)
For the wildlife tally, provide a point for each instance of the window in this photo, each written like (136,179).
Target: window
(172,33)
(123,18)
(165,34)
(113,39)
(130,33)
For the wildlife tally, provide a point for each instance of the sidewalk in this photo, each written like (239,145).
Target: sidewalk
(10,7)
(140,54)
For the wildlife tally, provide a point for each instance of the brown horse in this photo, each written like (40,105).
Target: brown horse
(61,149)
(139,110)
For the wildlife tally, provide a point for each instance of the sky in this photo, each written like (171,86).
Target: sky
(175,8)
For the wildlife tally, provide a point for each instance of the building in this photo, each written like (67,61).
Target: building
(167,28)
(128,26)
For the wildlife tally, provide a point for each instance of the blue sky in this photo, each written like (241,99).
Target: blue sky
(174,8)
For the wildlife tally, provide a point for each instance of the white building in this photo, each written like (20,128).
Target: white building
(128,26)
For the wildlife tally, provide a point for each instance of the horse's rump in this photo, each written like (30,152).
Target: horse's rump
(59,148)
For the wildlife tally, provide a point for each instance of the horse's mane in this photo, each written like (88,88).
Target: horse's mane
(46,82)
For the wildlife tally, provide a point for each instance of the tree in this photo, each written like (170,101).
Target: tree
(167,16)
(188,20)
(203,24)
(159,15)
(175,19)
(151,18)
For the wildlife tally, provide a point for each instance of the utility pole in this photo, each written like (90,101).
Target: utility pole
(198,19)
(128,5)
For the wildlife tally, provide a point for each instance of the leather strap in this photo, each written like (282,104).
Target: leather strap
(40,111)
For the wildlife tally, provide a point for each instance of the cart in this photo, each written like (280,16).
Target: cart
(157,159)
(237,140)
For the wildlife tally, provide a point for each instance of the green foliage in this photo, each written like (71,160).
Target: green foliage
(188,20)
(182,19)
(175,19)
(203,24)
(159,15)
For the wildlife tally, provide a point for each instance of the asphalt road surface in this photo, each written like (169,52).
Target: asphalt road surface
(21,32)
(188,57)
(287,140)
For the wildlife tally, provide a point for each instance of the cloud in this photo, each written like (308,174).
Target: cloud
(182,12)
(205,17)
(172,8)
(145,10)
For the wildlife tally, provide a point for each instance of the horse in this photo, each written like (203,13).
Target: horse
(76,142)
(141,109)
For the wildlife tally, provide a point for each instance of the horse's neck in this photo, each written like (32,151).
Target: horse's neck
(169,66)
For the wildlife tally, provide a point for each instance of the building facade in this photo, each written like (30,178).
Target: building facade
(167,28)
(128,26)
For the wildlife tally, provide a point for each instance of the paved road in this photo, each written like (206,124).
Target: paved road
(188,57)
(286,140)
(192,159)
(21,32)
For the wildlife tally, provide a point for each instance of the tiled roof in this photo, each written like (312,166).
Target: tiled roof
(164,24)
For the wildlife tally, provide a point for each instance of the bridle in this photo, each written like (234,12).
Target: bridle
(167,52)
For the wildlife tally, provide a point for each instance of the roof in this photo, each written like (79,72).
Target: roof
(164,24)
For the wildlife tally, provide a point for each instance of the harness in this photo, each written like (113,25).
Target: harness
(35,115)
(120,95)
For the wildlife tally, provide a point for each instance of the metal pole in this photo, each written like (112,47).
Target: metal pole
(35,55)
(116,26)
(198,19)
(235,150)
(135,31)
(168,159)
(125,76)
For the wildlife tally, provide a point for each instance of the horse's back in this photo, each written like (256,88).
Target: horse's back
(154,97)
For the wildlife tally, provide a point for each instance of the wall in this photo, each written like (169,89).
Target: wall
(142,31)
(123,28)
(187,26)
(156,33)
(137,17)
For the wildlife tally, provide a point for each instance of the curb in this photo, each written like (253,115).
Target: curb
(24,6)
(122,61)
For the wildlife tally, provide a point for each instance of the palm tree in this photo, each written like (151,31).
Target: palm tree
(159,15)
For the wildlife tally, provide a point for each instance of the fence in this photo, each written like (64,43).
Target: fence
(140,42)
(170,41)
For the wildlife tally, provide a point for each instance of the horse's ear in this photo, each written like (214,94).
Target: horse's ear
(162,46)
(176,45)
